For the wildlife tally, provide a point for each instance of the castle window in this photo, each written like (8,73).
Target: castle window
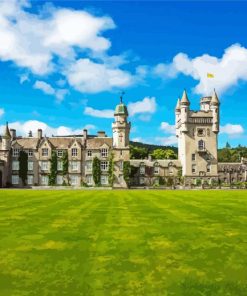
(142,169)
(30,165)
(193,169)
(60,165)
(104,152)
(193,156)
(142,181)
(15,179)
(44,165)
(208,168)
(89,153)
(74,180)
(45,152)
(30,179)
(89,179)
(121,165)
(15,166)
(104,165)
(30,153)
(44,180)
(201,145)
(74,165)
(200,132)
(89,165)
(74,152)
(104,180)
(59,180)
(156,169)
(16,152)
(59,153)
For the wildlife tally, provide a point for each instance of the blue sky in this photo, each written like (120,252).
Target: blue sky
(64,63)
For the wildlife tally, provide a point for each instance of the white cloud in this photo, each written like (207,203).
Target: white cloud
(138,139)
(51,41)
(227,70)
(147,105)
(233,130)
(1,112)
(45,87)
(23,128)
(88,76)
(167,128)
(33,40)
(99,113)
(167,141)
(49,90)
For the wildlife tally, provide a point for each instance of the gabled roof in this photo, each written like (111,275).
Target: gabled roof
(27,143)
(97,143)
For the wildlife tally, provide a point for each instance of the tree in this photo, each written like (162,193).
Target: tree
(228,146)
(23,166)
(164,154)
(53,171)
(138,152)
(111,170)
(126,172)
(96,171)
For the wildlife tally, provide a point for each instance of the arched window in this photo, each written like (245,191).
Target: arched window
(201,145)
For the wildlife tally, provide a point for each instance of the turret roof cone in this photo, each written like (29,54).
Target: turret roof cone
(185,99)
(178,104)
(215,100)
(7,132)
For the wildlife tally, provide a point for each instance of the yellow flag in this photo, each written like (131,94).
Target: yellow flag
(210,75)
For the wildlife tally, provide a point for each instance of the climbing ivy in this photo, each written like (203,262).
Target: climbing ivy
(65,161)
(96,171)
(23,166)
(111,170)
(126,172)
(53,170)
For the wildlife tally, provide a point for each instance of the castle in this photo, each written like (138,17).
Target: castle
(197,133)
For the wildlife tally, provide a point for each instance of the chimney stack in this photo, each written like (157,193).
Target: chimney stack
(30,134)
(40,133)
(13,134)
(85,134)
(101,134)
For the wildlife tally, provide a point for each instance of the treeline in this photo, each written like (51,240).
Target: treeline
(141,151)
(229,154)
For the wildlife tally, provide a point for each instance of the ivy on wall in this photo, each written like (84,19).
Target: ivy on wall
(126,172)
(65,161)
(53,170)
(23,166)
(96,171)
(111,170)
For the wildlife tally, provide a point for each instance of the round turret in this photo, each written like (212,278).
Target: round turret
(121,109)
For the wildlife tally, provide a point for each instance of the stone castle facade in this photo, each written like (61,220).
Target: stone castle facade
(197,133)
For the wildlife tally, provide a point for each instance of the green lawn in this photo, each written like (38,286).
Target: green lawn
(123,243)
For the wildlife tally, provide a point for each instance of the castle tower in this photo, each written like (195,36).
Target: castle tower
(197,133)
(121,126)
(5,148)
(6,138)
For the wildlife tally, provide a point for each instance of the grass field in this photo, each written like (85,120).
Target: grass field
(123,243)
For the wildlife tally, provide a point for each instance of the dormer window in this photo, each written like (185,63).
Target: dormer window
(104,152)
(74,151)
(45,152)
(89,153)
